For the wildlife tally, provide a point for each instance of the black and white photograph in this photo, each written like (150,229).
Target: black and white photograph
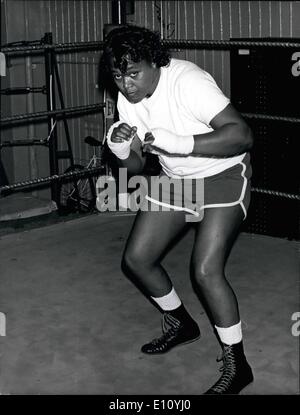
(149,201)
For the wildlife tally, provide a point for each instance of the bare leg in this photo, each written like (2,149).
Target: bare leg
(214,239)
(152,234)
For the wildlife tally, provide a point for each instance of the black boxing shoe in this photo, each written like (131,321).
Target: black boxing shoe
(237,373)
(175,333)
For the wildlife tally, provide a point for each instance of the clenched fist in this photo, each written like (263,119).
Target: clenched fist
(119,139)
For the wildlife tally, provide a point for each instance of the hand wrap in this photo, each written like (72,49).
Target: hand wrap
(172,143)
(121,150)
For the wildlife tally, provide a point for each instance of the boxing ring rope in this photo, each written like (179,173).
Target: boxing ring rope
(11,121)
(270,117)
(98,45)
(225,44)
(171,44)
(95,170)
(59,47)
(44,180)
(71,111)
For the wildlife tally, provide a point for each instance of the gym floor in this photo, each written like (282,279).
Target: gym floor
(75,323)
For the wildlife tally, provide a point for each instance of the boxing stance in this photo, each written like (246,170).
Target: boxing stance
(174,109)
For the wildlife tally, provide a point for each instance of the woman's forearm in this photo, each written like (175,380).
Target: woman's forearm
(134,163)
(229,140)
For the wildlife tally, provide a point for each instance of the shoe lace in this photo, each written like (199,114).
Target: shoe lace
(170,323)
(228,369)
(170,326)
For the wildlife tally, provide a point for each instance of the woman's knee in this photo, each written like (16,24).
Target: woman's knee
(135,261)
(128,261)
(207,273)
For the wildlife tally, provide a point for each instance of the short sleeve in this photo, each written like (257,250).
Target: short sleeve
(127,114)
(123,116)
(200,95)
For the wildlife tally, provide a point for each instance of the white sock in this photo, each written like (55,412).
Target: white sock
(230,335)
(169,301)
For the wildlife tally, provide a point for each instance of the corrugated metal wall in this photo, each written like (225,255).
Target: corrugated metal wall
(219,20)
(69,21)
(79,21)
(83,20)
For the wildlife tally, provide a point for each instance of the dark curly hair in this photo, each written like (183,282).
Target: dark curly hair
(132,43)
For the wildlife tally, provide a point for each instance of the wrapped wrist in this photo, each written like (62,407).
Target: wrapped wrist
(121,150)
(173,143)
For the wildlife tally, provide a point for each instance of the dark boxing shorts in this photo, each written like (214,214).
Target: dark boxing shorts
(228,188)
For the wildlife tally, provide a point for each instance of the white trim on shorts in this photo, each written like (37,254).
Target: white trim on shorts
(157,202)
(241,198)
(213,205)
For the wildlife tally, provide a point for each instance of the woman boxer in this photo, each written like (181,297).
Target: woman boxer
(174,109)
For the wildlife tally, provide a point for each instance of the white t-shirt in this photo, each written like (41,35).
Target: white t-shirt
(184,102)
